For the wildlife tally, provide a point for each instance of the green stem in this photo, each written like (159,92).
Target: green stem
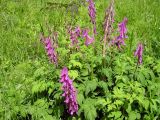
(134,76)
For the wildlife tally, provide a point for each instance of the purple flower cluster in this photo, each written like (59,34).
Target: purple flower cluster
(50,50)
(92,14)
(89,40)
(122,34)
(118,42)
(122,28)
(69,92)
(74,34)
(77,32)
(139,52)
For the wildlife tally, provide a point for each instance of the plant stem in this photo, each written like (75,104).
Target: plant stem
(134,76)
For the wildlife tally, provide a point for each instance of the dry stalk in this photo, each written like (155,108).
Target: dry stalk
(108,27)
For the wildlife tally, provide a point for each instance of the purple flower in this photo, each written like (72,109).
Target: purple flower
(139,52)
(122,34)
(73,38)
(118,42)
(85,32)
(122,28)
(78,31)
(69,92)
(74,34)
(94,29)
(92,13)
(50,50)
(89,40)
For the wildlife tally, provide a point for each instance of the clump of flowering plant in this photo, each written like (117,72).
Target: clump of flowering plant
(69,92)
(138,53)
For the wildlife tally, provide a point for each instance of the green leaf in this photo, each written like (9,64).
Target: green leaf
(132,116)
(75,63)
(89,109)
(145,104)
(119,93)
(80,98)
(40,103)
(84,72)
(118,102)
(73,74)
(50,91)
(90,113)
(107,72)
(103,85)
(141,78)
(111,107)
(117,114)
(40,72)
(108,101)
(39,86)
(152,75)
(90,86)
(153,104)
(101,102)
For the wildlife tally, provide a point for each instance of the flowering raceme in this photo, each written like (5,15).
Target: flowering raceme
(74,34)
(139,52)
(78,31)
(69,92)
(92,14)
(49,48)
(89,40)
(119,41)
(122,33)
(123,29)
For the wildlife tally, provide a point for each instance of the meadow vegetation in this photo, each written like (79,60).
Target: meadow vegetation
(115,84)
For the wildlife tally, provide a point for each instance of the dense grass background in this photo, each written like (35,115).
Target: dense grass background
(21,22)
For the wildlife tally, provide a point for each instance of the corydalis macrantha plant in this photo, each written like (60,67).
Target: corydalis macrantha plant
(74,34)
(138,53)
(108,25)
(92,14)
(49,49)
(89,40)
(69,92)
(122,33)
